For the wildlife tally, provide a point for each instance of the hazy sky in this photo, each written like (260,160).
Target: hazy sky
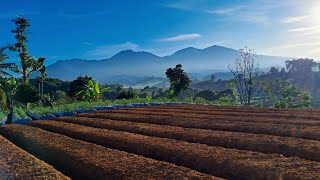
(97,29)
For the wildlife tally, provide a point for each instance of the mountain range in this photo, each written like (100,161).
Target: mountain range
(129,67)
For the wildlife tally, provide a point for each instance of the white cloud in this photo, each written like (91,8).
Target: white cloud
(295,19)
(226,11)
(242,13)
(298,48)
(106,51)
(181,37)
(184,4)
(306,31)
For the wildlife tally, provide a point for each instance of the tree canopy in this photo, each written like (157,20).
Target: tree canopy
(178,78)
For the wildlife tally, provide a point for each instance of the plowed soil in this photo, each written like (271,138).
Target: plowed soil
(171,142)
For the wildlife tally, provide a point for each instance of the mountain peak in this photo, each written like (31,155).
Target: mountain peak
(131,53)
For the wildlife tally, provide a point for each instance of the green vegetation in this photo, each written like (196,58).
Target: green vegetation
(28,63)
(78,85)
(283,94)
(179,80)
(91,92)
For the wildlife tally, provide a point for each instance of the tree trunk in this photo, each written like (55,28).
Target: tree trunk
(39,88)
(10,116)
(42,87)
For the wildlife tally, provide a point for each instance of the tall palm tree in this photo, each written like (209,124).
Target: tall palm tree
(6,66)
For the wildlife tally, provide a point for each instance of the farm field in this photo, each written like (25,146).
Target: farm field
(177,142)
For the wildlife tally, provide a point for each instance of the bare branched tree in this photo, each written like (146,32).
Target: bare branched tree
(245,70)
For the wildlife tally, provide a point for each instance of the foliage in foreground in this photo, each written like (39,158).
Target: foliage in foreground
(91,92)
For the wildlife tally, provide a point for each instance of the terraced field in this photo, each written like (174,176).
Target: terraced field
(176,142)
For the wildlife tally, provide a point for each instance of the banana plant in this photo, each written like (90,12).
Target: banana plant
(10,87)
(91,92)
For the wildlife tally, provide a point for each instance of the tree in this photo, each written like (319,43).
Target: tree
(207,95)
(6,66)
(43,71)
(245,71)
(213,77)
(126,94)
(9,88)
(274,70)
(26,94)
(301,65)
(78,85)
(28,63)
(92,91)
(179,79)
(299,69)
(283,94)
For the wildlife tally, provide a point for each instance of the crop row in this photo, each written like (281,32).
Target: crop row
(242,109)
(234,112)
(227,163)
(299,131)
(83,160)
(213,116)
(307,149)
(16,163)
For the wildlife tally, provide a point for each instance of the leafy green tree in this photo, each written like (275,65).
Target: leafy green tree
(50,85)
(28,63)
(25,94)
(92,91)
(126,94)
(299,69)
(179,79)
(284,94)
(78,85)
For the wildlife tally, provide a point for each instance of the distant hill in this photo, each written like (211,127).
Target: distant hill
(134,67)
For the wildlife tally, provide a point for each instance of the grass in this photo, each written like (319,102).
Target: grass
(89,105)
(19,113)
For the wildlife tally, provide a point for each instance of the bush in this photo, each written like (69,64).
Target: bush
(126,94)
(27,94)
(207,95)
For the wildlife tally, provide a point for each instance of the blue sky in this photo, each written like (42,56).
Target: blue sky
(98,29)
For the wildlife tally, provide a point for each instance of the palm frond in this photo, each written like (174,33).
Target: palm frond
(4,74)
(9,66)
(3,55)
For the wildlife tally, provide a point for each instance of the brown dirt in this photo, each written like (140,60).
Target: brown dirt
(286,130)
(16,163)
(83,160)
(276,111)
(227,163)
(217,116)
(307,149)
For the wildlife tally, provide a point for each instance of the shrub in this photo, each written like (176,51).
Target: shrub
(27,94)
